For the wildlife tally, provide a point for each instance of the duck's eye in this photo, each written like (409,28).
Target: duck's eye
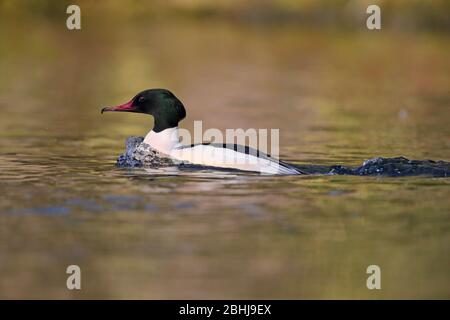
(141,99)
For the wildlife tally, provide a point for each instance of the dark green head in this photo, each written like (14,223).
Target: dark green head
(162,104)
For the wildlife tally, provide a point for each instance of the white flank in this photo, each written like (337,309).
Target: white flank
(167,142)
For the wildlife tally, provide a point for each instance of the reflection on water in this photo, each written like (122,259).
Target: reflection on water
(337,98)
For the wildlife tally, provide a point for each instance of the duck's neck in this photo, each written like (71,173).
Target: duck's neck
(163,141)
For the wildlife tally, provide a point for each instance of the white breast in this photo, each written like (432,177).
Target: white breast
(163,141)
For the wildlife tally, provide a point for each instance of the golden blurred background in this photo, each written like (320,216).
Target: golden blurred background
(338,92)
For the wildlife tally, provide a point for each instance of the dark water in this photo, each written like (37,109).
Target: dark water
(338,99)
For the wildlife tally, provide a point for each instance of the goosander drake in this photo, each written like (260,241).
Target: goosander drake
(167,111)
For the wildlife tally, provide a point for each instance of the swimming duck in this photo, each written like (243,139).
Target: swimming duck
(167,111)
